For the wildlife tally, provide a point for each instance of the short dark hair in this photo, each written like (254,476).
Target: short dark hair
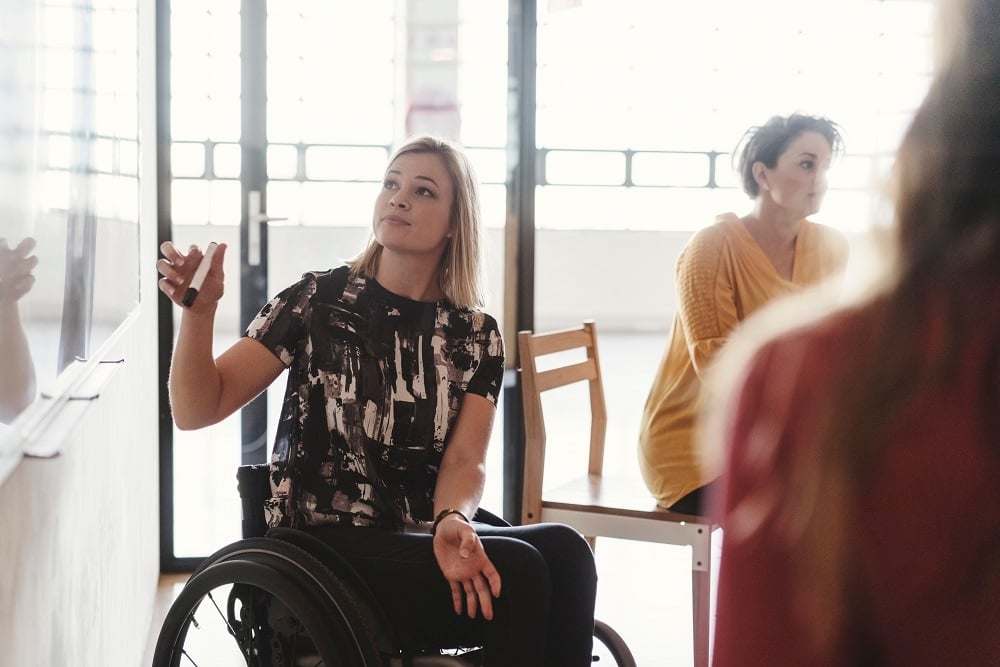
(765,143)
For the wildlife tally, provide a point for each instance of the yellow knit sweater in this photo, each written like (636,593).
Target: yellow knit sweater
(723,276)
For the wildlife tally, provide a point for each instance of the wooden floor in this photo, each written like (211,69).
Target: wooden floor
(170,586)
(644,590)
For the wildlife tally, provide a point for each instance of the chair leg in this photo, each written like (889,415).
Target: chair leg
(701,586)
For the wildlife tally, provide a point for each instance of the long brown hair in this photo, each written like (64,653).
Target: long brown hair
(946,197)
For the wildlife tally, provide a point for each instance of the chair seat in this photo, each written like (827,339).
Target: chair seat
(620,507)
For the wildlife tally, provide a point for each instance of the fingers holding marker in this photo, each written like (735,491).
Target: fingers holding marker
(199,275)
(171,266)
(172,254)
(186,275)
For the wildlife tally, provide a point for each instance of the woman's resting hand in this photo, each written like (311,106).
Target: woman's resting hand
(473,579)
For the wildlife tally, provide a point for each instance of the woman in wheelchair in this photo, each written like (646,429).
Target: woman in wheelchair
(393,378)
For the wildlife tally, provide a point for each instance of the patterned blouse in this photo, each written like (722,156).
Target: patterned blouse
(375,383)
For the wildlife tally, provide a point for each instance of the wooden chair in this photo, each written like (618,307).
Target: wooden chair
(595,504)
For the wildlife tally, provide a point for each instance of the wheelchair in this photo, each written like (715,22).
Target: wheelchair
(283,598)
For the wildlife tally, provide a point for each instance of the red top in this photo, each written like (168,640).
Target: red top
(929,539)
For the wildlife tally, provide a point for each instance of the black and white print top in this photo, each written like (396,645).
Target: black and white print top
(375,383)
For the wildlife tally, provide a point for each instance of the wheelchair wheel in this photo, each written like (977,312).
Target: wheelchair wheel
(264,604)
(608,643)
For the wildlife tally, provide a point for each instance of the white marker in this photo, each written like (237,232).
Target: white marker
(199,275)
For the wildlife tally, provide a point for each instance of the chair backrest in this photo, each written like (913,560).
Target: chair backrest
(534,382)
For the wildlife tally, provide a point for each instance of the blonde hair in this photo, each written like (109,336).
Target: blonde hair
(460,272)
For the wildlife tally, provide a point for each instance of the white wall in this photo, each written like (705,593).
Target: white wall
(624,280)
(79,553)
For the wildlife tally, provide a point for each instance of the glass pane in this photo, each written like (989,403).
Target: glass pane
(187,118)
(59,25)
(103,154)
(226,160)
(369,124)
(690,169)
(595,208)
(284,199)
(586,168)
(345,163)
(206,510)
(222,78)
(222,112)
(201,202)
(284,121)
(127,197)
(189,202)
(58,151)
(187,159)
(725,176)
(224,202)
(339,204)
(58,68)
(200,29)
(57,110)
(494,204)
(282,161)
(128,157)
(490,164)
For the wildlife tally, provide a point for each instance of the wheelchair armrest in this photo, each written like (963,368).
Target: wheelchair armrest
(489,518)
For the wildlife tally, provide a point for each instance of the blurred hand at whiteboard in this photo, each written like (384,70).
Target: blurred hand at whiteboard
(16,266)
(17,381)
(178,269)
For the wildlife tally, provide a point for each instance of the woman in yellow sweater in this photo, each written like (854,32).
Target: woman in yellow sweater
(725,273)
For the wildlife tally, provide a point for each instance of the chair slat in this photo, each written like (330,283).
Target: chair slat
(559,341)
(560,377)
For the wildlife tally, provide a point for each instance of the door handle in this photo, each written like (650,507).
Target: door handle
(255,218)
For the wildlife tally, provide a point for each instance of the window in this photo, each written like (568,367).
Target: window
(671,87)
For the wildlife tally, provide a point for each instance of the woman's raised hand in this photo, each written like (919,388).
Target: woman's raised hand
(178,268)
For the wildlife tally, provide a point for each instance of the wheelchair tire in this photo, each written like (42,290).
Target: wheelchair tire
(351,600)
(282,608)
(615,645)
(259,589)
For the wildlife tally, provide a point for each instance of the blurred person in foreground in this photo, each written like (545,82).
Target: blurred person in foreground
(861,503)
(725,273)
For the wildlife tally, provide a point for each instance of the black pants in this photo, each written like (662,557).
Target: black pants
(545,612)
(698,501)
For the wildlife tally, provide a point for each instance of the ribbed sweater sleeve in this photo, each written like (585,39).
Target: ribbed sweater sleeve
(706,297)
